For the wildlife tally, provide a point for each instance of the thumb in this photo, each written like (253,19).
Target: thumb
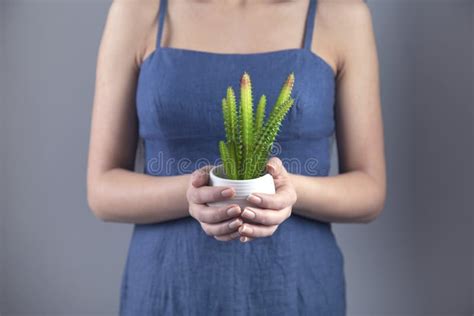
(275,167)
(200,176)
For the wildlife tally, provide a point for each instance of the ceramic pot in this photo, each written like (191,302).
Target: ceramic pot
(243,188)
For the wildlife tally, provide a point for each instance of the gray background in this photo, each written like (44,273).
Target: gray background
(57,258)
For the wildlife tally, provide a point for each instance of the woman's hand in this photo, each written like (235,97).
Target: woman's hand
(220,222)
(270,210)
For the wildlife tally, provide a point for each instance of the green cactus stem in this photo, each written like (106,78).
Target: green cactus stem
(224,152)
(233,139)
(260,115)
(267,137)
(246,119)
(286,89)
(249,139)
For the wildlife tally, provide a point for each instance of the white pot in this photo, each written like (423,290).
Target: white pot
(243,188)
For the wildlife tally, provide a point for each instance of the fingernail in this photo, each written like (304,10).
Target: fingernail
(254,199)
(227,192)
(243,239)
(271,167)
(245,229)
(233,211)
(235,224)
(248,214)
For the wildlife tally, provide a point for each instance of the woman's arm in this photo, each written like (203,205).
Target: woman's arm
(357,194)
(114,191)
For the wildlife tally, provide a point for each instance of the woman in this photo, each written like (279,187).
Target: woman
(162,69)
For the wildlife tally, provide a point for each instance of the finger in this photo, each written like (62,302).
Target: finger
(207,194)
(213,215)
(222,228)
(267,217)
(246,239)
(251,230)
(284,196)
(228,237)
(200,176)
(275,167)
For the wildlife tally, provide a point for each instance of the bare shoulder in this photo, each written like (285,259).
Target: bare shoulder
(347,12)
(131,23)
(344,24)
(138,5)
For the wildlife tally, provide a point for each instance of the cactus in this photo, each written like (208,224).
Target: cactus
(286,89)
(260,115)
(246,121)
(248,139)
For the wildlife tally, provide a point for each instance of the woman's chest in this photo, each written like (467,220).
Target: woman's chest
(180,92)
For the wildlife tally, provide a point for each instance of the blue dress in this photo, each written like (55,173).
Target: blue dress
(173,267)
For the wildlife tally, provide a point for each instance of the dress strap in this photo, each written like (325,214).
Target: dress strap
(161,20)
(308,34)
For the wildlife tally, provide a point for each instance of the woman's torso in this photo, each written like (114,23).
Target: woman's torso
(173,267)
